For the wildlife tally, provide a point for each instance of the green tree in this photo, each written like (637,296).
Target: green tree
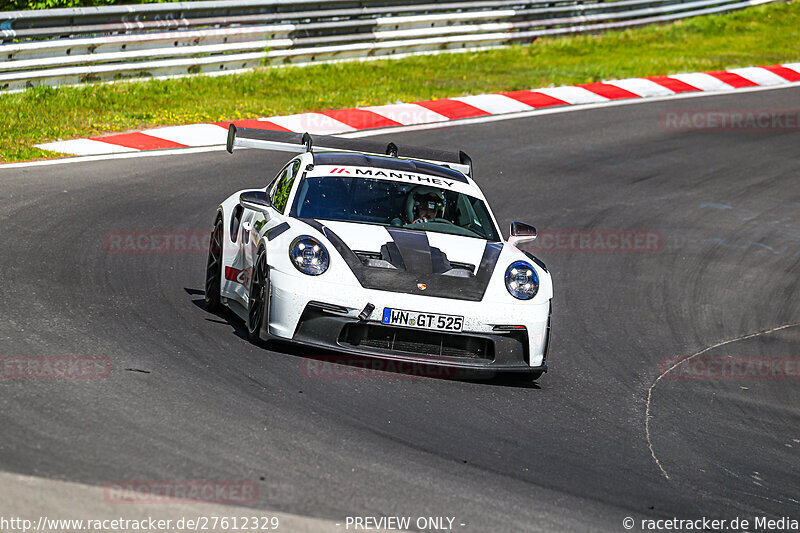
(19,5)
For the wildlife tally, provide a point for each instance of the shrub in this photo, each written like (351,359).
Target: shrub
(19,5)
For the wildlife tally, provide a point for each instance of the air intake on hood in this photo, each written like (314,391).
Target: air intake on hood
(444,266)
(374,260)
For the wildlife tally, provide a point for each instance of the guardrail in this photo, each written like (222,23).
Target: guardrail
(86,45)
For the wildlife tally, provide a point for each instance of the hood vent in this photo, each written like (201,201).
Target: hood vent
(389,257)
(373,260)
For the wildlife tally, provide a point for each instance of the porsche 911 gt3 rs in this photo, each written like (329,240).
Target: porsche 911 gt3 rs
(368,249)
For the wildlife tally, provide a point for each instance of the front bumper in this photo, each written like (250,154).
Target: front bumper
(502,352)
(291,297)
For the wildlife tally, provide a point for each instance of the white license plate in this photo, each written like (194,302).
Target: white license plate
(416,319)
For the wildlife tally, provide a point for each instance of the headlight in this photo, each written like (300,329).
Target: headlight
(308,255)
(522,281)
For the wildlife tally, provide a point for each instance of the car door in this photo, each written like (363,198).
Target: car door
(255,224)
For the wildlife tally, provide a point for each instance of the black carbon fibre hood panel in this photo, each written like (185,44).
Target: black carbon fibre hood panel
(416,265)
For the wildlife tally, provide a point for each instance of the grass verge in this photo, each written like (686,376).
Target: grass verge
(762,35)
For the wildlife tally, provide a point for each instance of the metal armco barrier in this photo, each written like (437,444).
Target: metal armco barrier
(87,45)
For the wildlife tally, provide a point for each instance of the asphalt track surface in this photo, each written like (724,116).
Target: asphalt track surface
(572,453)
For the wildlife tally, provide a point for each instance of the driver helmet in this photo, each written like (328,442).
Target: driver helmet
(428,204)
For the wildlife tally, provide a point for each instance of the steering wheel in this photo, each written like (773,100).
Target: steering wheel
(433,220)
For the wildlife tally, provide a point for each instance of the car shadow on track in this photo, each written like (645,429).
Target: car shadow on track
(321,363)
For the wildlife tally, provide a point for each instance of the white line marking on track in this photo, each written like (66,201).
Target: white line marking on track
(416,127)
(106,157)
(647,415)
(192,134)
(84,147)
(563,109)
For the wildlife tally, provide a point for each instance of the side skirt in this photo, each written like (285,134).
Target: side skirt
(234,305)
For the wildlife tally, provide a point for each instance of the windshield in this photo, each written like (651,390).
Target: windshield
(390,203)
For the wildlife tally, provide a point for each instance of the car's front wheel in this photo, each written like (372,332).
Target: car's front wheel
(258,307)
(214,269)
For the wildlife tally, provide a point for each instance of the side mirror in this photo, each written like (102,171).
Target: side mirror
(255,200)
(523,231)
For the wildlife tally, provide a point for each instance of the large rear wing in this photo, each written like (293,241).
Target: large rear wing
(303,142)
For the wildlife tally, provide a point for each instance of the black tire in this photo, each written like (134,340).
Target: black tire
(214,269)
(258,307)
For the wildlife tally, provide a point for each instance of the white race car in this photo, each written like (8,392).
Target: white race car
(367,249)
